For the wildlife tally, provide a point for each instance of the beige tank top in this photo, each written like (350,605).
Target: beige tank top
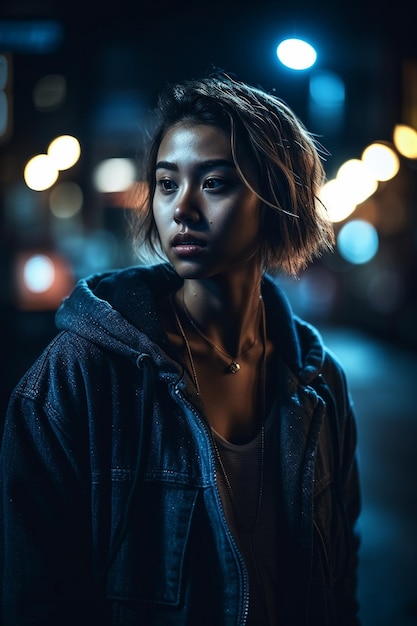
(256,534)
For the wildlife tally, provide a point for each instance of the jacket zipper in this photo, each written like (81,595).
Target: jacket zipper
(245,609)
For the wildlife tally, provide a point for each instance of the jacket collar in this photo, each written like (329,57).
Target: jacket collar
(117,309)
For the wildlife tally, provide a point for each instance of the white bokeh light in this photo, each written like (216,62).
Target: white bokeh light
(296,54)
(64,151)
(114,175)
(40,172)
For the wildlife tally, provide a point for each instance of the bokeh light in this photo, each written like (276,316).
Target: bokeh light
(381,160)
(50,92)
(353,184)
(66,200)
(357,181)
(40,172)
(296,54)
(42,279)
(39,273)
(64,151)
(327,89)
(405,140)
(114,175)
(338,204)
(358,241)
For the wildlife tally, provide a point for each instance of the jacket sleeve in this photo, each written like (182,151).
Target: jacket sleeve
(348,492)
(45,543)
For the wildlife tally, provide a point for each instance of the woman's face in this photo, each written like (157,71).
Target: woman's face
(207,218)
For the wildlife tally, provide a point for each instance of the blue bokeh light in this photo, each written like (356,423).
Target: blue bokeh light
(358,241)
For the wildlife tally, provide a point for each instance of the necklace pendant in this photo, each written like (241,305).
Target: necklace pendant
(233,368)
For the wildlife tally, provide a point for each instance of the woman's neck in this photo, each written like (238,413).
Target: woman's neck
(226,310)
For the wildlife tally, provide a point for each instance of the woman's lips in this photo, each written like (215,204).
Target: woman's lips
(188,245)
(188,249)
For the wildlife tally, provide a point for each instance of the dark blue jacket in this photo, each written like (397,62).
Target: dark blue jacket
(110,510)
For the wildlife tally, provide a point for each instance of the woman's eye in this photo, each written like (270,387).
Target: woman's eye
(166,184)
(213,183)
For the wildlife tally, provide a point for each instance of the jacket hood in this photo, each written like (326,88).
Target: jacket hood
(116,310)
(300,344)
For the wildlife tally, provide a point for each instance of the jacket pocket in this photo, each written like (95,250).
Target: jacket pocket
(149,563)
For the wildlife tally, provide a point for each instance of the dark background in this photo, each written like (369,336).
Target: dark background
(115,59)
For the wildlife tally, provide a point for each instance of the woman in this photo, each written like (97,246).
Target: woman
(184,451)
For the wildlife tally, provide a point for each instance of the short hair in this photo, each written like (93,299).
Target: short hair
(294,226)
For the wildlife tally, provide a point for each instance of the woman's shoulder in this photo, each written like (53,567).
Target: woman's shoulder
(59,365)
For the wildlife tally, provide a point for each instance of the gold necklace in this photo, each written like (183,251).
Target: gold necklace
(234,365)
(187,346)
(262,411)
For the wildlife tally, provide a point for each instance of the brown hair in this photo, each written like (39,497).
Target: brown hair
(294,225)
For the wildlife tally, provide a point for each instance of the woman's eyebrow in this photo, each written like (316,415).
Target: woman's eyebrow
(166,165)
(217,163)
(203,165)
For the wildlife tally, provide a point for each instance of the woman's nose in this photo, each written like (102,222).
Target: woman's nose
(186,211)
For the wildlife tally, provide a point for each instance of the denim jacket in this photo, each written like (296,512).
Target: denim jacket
(111,513)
